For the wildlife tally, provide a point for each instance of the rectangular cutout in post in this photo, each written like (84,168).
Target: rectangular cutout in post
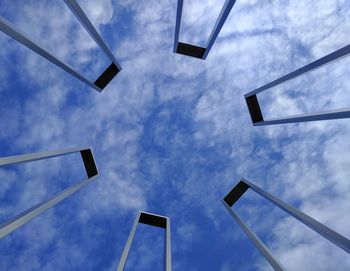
(106,76)
(190,50)
(254,107)
(152,220)
(243,185)
(193,50)
(24,217)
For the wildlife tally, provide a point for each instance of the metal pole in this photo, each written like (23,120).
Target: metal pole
(9,29)
(257,242)
(328,115)
(218,25)
(193,50)
(152,220)
(313,224)
(10,160)
(177,24)
(309,67)
(167,246)
(36,210)
(254,107)
(84,20)
(29,214)
(125,253)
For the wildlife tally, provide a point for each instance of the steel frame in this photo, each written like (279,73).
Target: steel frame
(24,217)
(152,220)
(102,81)
(254,107)
(193,50)
(243,185)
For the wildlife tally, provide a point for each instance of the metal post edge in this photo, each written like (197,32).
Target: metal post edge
(177,24)
(125,253)
(255,239)
(332,236)
(16,159)
(225,11)
(128,244)
(24,217)
(328,115)
(89,27)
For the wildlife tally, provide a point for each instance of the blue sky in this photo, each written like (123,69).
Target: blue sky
(172,135)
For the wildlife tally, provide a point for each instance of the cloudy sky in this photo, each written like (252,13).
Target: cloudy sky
(172,134)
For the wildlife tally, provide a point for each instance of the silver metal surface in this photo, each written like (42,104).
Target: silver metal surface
(326,115)
(225,11)
(73,5)
(24,217)
(153,220)
(36,210)
(178,23)
(257,242)
(11,160)
(126,249)
(167,246)
(334,237)
(10,30)
(84,20)
(255,110)
(243,185)
(336,55)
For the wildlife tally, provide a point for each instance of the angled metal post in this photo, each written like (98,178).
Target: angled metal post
(152,220)
(180,4)
(24,217)
(112,69)
(126,249)
(334,237)
(218,25)
(84,20)
(167,246)
(194,50)
(102,81)
(276,265)
(243,185)
(255,110)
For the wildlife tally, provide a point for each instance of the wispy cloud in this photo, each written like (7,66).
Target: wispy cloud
(172,134)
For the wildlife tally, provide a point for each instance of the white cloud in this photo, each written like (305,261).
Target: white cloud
(304,164)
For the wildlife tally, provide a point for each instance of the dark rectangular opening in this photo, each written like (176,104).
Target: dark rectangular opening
(89,162)
(254,109)
(107,76)
(236,193)
(153,220)
(190,50)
